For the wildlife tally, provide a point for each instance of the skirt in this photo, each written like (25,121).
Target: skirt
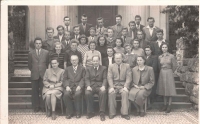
(166,85)
(55,92)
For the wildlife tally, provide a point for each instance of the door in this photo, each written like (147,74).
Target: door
(93,12)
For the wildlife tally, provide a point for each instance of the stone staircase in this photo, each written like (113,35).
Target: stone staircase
(20,87)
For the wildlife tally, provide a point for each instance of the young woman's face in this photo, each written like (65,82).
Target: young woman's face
(164,48)
(83,41)
(92,46)
(58,47)
(54,63)
(118,42)
(101,41)
(140,61)
(128,49)
(136,44)
(110,33)
(110,52)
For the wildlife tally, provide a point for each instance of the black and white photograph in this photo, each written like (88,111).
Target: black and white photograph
(108,64)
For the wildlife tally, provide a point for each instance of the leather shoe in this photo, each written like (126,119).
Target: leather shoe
(164,108)
(142,114)
(126,117)
(42,110)
(111,116)
(168,109)
(48,112)
(78,116)
(136,114)
(102,117)
(36,109)
(69,116)
(90,115)
(53,116)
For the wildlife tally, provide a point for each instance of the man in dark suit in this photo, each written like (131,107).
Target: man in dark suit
(132,30)
(76,33)
(118,27)
(60,35)
(125,37)
(96,83)
(156,45)
(67,41)
(37,63)
(150,30)
(137,21)
(100,29)
(110,59)
(73,84)
(140,37)
(67,26)
(84,26)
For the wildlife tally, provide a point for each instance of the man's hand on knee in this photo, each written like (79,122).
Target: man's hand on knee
(125,89)
(78,88)
(111,90)
(103,88)
(68,89)
(89,88)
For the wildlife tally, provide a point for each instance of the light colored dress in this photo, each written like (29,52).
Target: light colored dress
(139,51)
(52,78)
(166,86)
(83,49)
(87,61)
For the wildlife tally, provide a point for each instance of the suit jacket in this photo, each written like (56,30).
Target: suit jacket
(38,64)
(70,29)
(104,31)
(147,35)
(105,61)
(96,80)
(128,40)
(57,37)
(90,39)
(144,43)
(141,27)
(72,79)
(134,34)
(116,32)
(156,49)
(122,79)
(66,46)
(147,79)
(48,45)
(152,61)
(73,36)
(110,42)
(86,32)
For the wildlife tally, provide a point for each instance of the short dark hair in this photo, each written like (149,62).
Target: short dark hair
(159,31)
(49,28)
(127,45)
(118,16)
(98,43)
(38,38)
(147,46)
(125,29)
(67,31)
(139,31)
(60,26)
(66,17)
(74,41)
(110,29)
(119,38)
(76,27)
(100,18)
(55,58)
(84,15)
(91,43)
(150,18)
(142,58)
(138,16)
(83,36)
(96,56)
(162,45)
(131,22)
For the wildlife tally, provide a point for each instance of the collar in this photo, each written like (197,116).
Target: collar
(167,54)
(97,67)
(60,35)
(145,68)
(39,49)
(75,67)
(137,25)
(130,54)
(151,28)
(110,57)
(84,25)
(163,40)
(118,24)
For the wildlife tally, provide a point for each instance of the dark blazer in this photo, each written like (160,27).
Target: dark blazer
(49,45)
(57,37)
(99,79)
(156,49)
(86,33)
(66,46)
(38,65)
(117,33)
(128,40)
(134,33)
(72,79)
(147,35)
(105,61)
(152,61)
(73,36)
(141,27)
(147,77)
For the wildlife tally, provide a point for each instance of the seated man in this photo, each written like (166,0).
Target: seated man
(73,84)
(96,83)
(119,79)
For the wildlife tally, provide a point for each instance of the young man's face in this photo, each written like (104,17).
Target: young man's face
(135,44)
(50,33)
(137,20)
(118,20)
(159,35)
(38,44)
(151,22)
(76,30)
(67,35)
(92,33)
(132,26)
(110,52)
(128,49)
(124,32)
(84,20)
(67,21)
(74,46)
(139,35)
(148,51)
(60,31)
(100,23)
(110,33)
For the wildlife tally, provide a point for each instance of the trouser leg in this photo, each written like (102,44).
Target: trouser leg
(112,104)
(40,92)
(89,101)
(124,102)
(67,98)
(102,101)
(78,101)
(35,94)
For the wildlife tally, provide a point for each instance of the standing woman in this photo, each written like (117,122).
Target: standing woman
(102,46)
(83,47)
(87,61)
(166,86)
(136,48)
(119,46)
(59,53)
(52,90)
(143,81)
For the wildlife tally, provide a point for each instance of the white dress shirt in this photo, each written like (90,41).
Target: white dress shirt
(160,42)
(60,37)
(38,52)
(151,29)
(110,60)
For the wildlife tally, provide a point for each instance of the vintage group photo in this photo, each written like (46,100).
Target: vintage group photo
(103,64)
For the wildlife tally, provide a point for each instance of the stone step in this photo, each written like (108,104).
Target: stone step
(179,84)
(21,61)
(177,98)
(21,51)
(19,85)
(19,98)
(180,90)
(21,65)
(177,78)
(19,91)
(175,105)
(20,105)
(20,79)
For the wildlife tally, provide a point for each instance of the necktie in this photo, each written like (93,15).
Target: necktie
(38,52)
(132,35)
(119,69)
(124,39)
(100,30)
(84,27)
(67,28)
(76,37)
(95,70)
(75,70)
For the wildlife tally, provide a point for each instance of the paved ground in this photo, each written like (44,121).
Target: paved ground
(153,116)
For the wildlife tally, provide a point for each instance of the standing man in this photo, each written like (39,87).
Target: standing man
(125,37)
(73,84)
(48,44)
(96,83)
(150,30)
(67,26)
(119,79)
(141,40)
(100,29)
(76,33)
(60,35)
(137,21)
(84,26)
(37,63)
(132,30)
(66,43)
(118,27)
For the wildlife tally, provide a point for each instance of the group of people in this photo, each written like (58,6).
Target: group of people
(134,64)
